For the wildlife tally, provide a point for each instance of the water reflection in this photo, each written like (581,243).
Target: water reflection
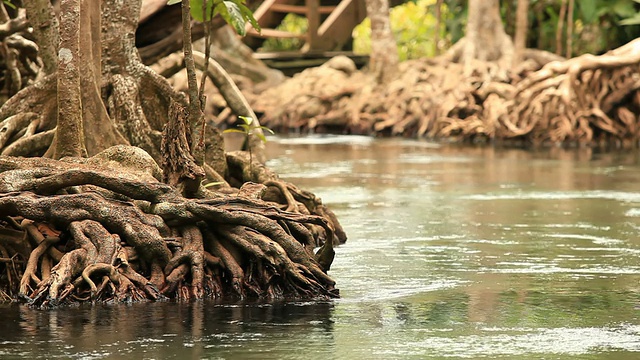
(162,330)
(453,253)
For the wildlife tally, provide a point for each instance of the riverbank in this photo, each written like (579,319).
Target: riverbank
(584,101)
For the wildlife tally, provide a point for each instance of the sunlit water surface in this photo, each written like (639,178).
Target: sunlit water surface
(452,253)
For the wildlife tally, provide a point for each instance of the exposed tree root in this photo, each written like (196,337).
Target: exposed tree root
(582,100)
(125,239)
(19,55)
(105,228)
(546,100)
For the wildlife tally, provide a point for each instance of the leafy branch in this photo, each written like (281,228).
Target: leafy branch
(234,12)
(248,131)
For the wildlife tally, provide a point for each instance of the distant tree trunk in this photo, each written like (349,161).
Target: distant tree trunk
(384,52)
(560,27)
(436,40)
(486,39)
(522,26)
(570,28)
(484,43)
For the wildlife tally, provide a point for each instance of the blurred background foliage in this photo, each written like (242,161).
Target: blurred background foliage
(598,26)
(292,23)
(414,26)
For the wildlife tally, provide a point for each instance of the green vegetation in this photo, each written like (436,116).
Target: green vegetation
(598,26)
(234,12)
(414,26)
(247,129)
(294,24)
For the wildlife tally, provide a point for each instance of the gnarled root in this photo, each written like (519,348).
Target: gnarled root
(242,170)
(151,242)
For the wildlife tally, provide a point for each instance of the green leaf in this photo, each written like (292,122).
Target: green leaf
(234,12)
(230,12)
(245,127)
(588,9)
(172,2)
(247,119)
(262,137)
(234,131)
(248,15)
(196,9)
(634,20)
(9,4)
(267,129)
(624,9)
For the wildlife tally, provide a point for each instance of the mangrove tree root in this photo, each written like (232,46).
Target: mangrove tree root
(129,238)
(587,100)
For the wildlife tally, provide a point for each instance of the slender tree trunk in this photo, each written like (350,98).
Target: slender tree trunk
(560,28)
(436,40)
(384,52)
(522,27)
(69,139)
(196,117)
(570,28)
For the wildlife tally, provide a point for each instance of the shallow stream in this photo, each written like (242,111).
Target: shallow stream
(453,252)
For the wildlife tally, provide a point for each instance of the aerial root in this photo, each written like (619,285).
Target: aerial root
(191,254)
(44,244)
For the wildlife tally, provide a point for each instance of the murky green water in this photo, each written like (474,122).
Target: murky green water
(452,253)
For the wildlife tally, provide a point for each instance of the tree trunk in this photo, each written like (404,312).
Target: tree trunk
(383,61)
(560,27)
(570,28)
(522,26)
(69,140)
(41,12)
(485,37)
(131,237)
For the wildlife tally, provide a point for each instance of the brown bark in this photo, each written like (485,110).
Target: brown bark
(151,238)
(383,61)
(195,115)
(69,140)
(178,164)
(522,27)
(485,38)
(570,28)
(560,28)
(99,129)
(195,109)
(41,14)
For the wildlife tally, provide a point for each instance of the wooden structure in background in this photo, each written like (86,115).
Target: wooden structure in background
(330,22)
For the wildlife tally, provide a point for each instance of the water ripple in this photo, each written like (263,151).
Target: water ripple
(524,341)
(564,195)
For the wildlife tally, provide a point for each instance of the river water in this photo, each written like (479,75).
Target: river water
(453,252)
